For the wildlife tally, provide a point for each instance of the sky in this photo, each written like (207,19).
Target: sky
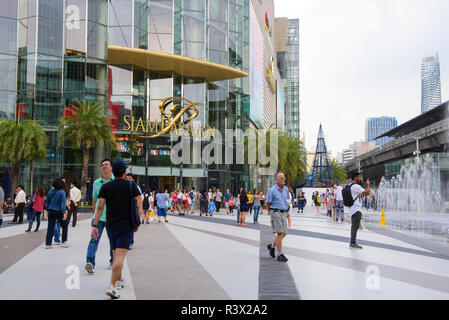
(362,58)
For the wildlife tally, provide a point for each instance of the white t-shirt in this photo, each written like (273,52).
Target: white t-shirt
(151,201)
(338,194)
(356,190)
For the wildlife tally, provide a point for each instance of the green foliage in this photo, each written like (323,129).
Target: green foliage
(86,126)
(291,155)
(338,172)
(22,141)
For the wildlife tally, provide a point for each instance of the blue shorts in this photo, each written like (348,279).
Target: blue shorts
(193,203)
(161,212)
(120,237)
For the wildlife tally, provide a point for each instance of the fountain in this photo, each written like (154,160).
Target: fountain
(412,200)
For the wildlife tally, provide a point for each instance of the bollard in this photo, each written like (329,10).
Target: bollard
(382,219)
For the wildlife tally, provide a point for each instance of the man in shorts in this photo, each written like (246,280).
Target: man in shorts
(117,195)
(161,199)
(193,197)
(278,208)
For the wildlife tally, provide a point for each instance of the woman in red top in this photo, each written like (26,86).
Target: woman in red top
(37,209)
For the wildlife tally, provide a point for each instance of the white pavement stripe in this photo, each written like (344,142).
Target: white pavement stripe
(235,266)
(42,273)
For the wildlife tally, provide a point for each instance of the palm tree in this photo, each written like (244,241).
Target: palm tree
(291,156)
(338,172)
(85,124)
(21,141)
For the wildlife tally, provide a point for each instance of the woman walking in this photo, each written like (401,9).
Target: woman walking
(316,201)
(146,206)
(37,209)
(244,207)
(262,201)
(204,203)
(256,206)
(57,211)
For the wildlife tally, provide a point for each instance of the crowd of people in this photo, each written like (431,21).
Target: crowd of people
(114,192)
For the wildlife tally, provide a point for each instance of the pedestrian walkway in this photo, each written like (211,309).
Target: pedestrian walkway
(203,258)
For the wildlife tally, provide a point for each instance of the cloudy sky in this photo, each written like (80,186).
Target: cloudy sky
(362,58)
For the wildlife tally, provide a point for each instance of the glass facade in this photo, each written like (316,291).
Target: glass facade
(53,51)
(430,83)
(378,126)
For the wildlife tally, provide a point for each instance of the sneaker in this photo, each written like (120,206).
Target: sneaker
(64,245)
(28,230)
(110,266)
(57,243)
(159,221)
(36,230)
(148,222)
(282,258)
(120,284)
(355,246)
(48,247)
(271,249)
(166,221)
(89,268)
(112,292)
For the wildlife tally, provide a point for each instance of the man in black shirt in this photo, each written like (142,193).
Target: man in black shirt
(117,195)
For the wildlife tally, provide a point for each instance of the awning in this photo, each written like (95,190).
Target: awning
(162,61)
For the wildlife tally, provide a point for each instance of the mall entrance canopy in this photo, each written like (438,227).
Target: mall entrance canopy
(167,62)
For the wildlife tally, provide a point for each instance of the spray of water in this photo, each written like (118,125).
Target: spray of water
(412,199)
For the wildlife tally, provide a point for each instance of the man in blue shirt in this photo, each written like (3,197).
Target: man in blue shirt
(161,199)
(277,206)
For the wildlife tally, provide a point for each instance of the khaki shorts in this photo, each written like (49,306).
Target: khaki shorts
(279,222)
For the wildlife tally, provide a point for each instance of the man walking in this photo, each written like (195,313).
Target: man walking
(75,198)
(301,202)
(117,195)
(161,199)
(193,197)
(278,208)
(107,176)
(130,177)
(218,196)
(19,201)
(339,208)
(357,193)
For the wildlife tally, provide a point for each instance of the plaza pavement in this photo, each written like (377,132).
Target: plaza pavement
(202,258)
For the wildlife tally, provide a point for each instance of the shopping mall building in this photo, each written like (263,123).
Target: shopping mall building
(129,55)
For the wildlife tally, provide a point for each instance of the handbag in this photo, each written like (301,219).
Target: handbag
(135,219)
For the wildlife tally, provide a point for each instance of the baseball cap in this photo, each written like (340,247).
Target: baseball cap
(119,165)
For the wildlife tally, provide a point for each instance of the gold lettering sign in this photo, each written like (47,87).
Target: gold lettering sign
(270,75)
(171,121)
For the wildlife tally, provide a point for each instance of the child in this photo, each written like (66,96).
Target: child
(211,208)
(231,205)
(151,215)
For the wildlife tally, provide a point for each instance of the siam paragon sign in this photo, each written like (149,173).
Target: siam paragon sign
(171,121)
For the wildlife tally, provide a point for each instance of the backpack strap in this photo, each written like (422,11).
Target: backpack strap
(350,186)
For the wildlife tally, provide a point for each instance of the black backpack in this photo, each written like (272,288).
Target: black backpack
(191,195)
(146,200)
(348,201)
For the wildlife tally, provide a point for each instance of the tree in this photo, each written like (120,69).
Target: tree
(85,124)
(291,155)
(338,172)
(21,141)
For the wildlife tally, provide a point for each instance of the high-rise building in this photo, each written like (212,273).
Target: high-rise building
(287,51)
(377,126)
(356,149)
(430,83)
